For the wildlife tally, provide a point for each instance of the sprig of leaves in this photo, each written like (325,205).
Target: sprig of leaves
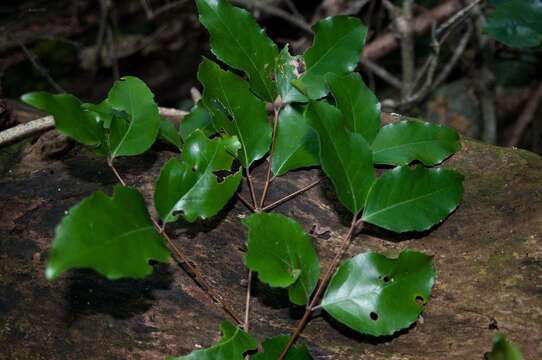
(326,117)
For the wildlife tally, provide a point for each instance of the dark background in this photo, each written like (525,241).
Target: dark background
(82,46)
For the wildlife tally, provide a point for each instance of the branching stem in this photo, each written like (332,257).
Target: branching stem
(276,109)
(184,261)
(292,195)
(321,287)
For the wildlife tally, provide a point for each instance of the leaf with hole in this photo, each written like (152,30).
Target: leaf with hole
(516,23)
(345,156)
(234,343)
(360,107)
(296,144)
(114,236)
(198,118)
(289,68)
(406,141)
(503,349)
(135,135)
(188,185)
(238,40)
(70,118)
(413,199)
(281,253)
(236,110)
(336,49)
(376,295)
(272,348)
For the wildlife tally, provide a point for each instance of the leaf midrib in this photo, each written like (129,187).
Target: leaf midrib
(405,202)
(254,67)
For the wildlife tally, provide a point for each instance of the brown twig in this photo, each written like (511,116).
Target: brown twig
(276,109)
(321,287)
(184,261)
(292,195)
(527,115)
(407,48)
(246,202)
(388,42)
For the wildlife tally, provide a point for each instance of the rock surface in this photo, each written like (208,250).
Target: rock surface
(488,256)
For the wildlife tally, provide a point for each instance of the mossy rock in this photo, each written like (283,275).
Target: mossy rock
(488,256)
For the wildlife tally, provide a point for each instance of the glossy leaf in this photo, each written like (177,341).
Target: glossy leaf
(360,107)
(70,118)
(114,236)
(189,185)
(169,133)
(135,136)
(516,23)
(272,348)
(281,253)
(336,49)
(288,68)
(376,295)
(198,118)
(406,141)
(504,350)
(413,199)
(296,143)
(234,343)
(238,40)
(103,112)
(345,156)
(236,110)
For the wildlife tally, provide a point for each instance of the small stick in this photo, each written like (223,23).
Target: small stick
(43,124)
(246,324)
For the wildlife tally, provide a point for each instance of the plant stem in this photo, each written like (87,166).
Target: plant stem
(246,202)
(321,287)
(276,109)
(294,194)
(251,188)
(246,324)
(184,261)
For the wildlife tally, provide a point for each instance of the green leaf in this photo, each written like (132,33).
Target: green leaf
(238,40)
(189,184)
(345,156)
(406,141)
(272,348)
(70,118)
(236,110)
(232,346)
(358,104)
(504,350)
(281,253)
(336,49)
(103,112)
(169,133)
(296,143)
(413,199)
(376,295)
(516,23)
(198,118)
(135,136)
(286,71)
(114,236)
